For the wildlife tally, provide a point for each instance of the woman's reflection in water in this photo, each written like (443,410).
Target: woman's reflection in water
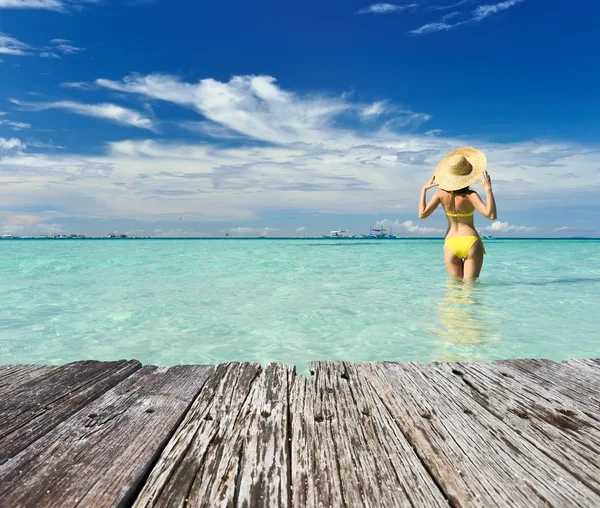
(463,331)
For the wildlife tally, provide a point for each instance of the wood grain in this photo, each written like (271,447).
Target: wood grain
(35,407)
(100,456)
(475,457)
(346,447)
(12,376)
(549,420)
(198,462)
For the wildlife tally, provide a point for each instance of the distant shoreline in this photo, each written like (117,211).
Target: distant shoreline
(296,238)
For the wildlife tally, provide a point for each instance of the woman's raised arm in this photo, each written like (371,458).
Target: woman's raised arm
(426,209)
(487,209)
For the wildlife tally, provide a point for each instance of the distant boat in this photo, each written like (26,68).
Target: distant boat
(340,234)
(380,234)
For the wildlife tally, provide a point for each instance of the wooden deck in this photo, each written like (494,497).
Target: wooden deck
(508,433)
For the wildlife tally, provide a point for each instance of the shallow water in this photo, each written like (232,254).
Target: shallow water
(167,302)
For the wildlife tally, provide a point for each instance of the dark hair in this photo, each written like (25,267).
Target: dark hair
(462,192)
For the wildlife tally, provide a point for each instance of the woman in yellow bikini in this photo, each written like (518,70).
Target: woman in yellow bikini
(463,248)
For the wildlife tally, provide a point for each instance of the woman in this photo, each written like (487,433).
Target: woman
(463,248)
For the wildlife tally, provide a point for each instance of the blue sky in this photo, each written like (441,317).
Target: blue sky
(204,118)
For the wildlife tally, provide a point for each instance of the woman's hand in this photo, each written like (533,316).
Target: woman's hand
(486,181)
(430,184)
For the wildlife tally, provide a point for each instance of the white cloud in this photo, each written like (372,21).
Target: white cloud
(52,5)
(15,125)
(446,7)
(48,5)
(11,46)
(11,144)
(411,227)
(483,11)
(211,129)
(64,46)
(110,112)
(398,227)
(47,54)
(301,228)
(385,8)
(206,182)
(563,228)
(255,106)
(505,227)
(251,105)
(374,110)
(59,48)
(437,26)
(478,14)
(28,224)
(79,85)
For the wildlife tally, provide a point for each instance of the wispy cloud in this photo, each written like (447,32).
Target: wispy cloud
(374,110)
(79,85)
(112,112)
(48,5)
(251,105)
(563,228)
(483,11)
(478,14)
(451,6)
(51,5)
(12,46)
(385,8)
(58,48)
(15,125)
(256,107)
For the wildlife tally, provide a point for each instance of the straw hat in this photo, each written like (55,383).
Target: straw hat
(460,168)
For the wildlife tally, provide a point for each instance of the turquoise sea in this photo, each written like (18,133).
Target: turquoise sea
(167,302)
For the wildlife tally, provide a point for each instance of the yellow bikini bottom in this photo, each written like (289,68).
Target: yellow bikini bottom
(461,245)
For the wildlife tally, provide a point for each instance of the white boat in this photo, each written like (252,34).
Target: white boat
(339,233)
(380,234)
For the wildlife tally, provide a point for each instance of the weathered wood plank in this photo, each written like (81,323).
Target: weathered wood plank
(347,449)
(11,376)
(37,406)
(195,455)
(476,458)
(543,417)
(582,387)
(99,456)
(263,474)
(592,363)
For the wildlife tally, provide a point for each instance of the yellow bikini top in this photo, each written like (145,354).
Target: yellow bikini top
(470,214)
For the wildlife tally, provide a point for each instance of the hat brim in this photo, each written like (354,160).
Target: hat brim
(450,182)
